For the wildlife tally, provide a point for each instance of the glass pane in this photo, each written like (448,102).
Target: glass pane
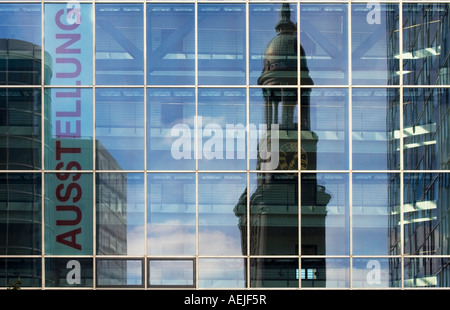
(425,44)
(375,129)
(325,272)
(426,215)
(273,129)
(273,214)
(20,46)
(328,133)
(375,214)
(20,214)
(68,213)
(427,272)
(377,272)
(222,229)
(119,44)
(274,272)
(170,44)
(325,214)
(221,273)
(68,40)
(375,44)
(273,44)
(324,37)
(171,214)
(171,273)
(222,129)
(69,272)
(119,128)
(20,129)
(69,128)
(120,272)
(221,44)
(426,128)
(120,213)
(170,129)
(16,273)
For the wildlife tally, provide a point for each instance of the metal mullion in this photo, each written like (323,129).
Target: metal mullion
(402,235)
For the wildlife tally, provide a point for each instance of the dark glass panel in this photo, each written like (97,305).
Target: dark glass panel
(426,213)
(20,214)
(16,273)
(273,214)
(426,128)
(274,272)
(325,272)
(325,214)
(69,272)
(119,273)
(426,44)
(20,129)
(423,272)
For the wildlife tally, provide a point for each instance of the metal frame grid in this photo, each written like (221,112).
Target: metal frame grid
(145,258)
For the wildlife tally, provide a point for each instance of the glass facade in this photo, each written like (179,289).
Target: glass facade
(233,144)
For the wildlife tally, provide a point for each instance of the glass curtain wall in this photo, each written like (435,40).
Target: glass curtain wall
(232,144)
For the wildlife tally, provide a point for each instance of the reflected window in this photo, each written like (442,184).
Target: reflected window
(326,144)
(68,33)
(324,37)
(222,225)
(120,213)
(273,214)
(326,272)
(425,44)
(425,213)
(16,273)
(20,129)
(221,44)
(119,45)
(273,44)
(119,128)
(171,214)
(222,273)
(69,272)
(375,214)
(20,214)
(170,44)
(426,128)
(222,125)
(325,214)
(170,273)
(170,129)
(68,213)
(375,44)
(376,272)
(120,273)
(274,272)
(422,272)
(375,129)
(20,45)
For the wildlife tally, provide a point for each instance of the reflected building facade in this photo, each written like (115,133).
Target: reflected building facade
(224,145)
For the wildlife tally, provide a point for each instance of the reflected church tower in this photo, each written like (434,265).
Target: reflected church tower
(274,200)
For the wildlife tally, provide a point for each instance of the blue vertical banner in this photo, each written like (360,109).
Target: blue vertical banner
(68,40)
(69,130)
